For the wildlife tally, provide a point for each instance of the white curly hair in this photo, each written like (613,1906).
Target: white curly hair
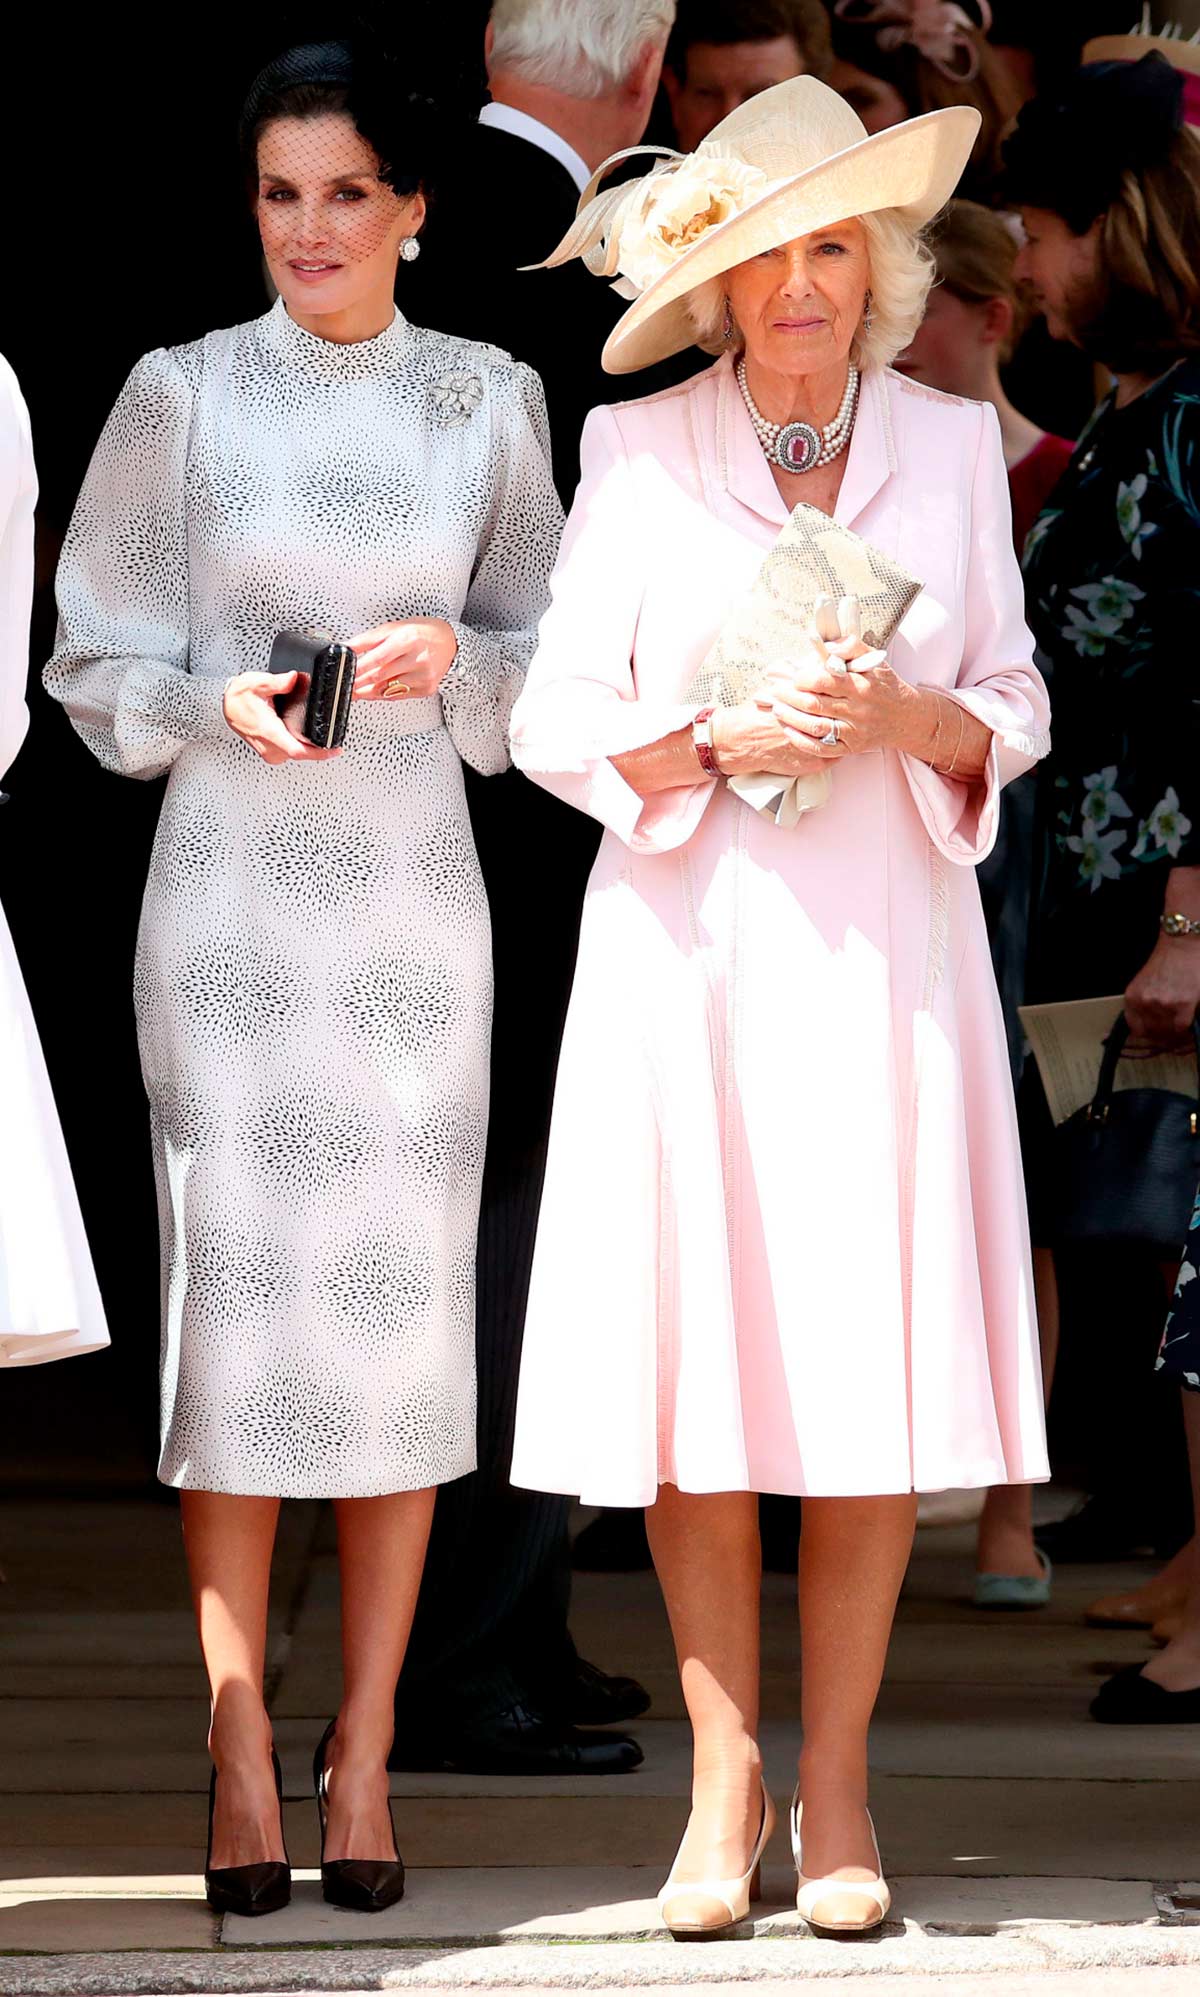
(902,271)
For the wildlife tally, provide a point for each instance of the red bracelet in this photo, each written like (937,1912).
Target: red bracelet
(702,742)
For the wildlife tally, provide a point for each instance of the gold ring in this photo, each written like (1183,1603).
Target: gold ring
(394,689)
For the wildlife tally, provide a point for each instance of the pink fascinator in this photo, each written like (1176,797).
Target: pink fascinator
(939,30)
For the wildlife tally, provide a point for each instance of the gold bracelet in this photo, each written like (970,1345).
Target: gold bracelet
(962,729)
(935,759)
(937,740)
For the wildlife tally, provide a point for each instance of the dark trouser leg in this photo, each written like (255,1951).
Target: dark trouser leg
(496,1584)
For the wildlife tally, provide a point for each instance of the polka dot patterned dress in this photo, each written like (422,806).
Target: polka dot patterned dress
(313,973)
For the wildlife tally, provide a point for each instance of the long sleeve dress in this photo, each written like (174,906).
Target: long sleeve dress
(49,1304)
(783,1243)
(313,971)
(1111,570)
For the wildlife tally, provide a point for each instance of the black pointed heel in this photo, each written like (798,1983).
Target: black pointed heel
(247,1889)
(366,1885)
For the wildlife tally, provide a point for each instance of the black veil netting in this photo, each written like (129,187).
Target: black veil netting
(412,76)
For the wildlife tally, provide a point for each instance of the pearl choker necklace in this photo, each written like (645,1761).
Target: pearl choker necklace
(800,447)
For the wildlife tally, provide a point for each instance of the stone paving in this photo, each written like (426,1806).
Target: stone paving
(1026,1846)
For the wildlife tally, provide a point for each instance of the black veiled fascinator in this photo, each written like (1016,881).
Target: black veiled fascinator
(1071,146)
(411,104)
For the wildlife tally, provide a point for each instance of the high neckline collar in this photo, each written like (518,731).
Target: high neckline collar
(336,360)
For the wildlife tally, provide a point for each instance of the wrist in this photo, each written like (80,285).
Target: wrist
(930,731)
(1182,895)
(719,740)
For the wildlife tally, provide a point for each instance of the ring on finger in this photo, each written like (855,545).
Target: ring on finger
(395,689)
(832,738)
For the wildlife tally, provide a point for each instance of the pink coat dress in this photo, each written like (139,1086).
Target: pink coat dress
(783,1243)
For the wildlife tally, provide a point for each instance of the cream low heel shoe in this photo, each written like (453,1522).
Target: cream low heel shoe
(685,1906)
(839,1906)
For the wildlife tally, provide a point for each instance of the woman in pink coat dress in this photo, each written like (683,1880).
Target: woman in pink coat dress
(783,1243)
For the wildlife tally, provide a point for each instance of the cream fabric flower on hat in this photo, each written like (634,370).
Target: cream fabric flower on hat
(679,205)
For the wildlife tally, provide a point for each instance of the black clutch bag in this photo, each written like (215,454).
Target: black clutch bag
(329,665)
(1128,1163)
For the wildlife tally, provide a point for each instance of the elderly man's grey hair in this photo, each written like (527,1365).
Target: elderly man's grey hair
(585,48)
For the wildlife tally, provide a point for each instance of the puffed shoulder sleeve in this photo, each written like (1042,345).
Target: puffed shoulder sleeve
(997,679)
(581,703)
(120,662)
(18,493)
(510,583)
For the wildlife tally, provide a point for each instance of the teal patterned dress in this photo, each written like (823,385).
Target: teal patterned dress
(1112,570)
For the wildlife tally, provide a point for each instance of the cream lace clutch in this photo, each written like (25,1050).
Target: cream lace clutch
(813,558)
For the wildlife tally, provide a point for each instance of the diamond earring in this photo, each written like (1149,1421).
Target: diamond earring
(728,329)
(410,249)
(868,313)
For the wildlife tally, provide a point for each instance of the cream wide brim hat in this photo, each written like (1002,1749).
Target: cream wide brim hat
(797,158)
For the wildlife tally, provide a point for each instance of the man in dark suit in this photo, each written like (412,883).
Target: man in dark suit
(493,1681)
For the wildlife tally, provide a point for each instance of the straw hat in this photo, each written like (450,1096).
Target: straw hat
(790,160)
(1128,48)
(1181,51)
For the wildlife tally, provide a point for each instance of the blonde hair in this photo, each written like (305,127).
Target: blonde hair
(975,252)
(902,271)
(585,48)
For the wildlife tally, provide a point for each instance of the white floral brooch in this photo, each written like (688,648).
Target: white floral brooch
(456,396)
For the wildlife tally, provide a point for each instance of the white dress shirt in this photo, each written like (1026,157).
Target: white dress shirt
(522,126)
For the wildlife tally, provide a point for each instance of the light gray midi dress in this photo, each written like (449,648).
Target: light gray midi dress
(313,973)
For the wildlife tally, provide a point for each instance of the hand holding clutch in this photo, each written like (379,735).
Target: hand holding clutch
(819,582)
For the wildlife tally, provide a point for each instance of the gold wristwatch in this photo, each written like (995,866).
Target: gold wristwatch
(1179,925)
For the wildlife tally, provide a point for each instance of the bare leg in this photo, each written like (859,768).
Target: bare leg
(1177,1668)
(229,1541)
(381,1550)
(853,1553)
(707,1555)
(1006,1528)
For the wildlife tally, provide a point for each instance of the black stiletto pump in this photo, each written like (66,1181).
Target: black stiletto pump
(367,1885)
(247,1889)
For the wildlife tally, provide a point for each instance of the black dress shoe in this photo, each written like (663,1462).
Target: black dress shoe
(585,1696)
(520,1742)
(365,1885)
(615,1543)
(247,1889)
(1128,1699)
(1096,1532)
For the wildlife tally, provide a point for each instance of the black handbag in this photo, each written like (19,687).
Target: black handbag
(328,664)
(1127,1164)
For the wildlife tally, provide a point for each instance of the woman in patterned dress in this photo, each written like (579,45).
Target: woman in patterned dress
(1107,177)
(313,979)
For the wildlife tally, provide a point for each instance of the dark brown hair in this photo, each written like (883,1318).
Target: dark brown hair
(723,22)
(1108,150)
(992,90)
(1142,311)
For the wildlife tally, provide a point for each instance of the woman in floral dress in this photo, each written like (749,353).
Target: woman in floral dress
(1107,178)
